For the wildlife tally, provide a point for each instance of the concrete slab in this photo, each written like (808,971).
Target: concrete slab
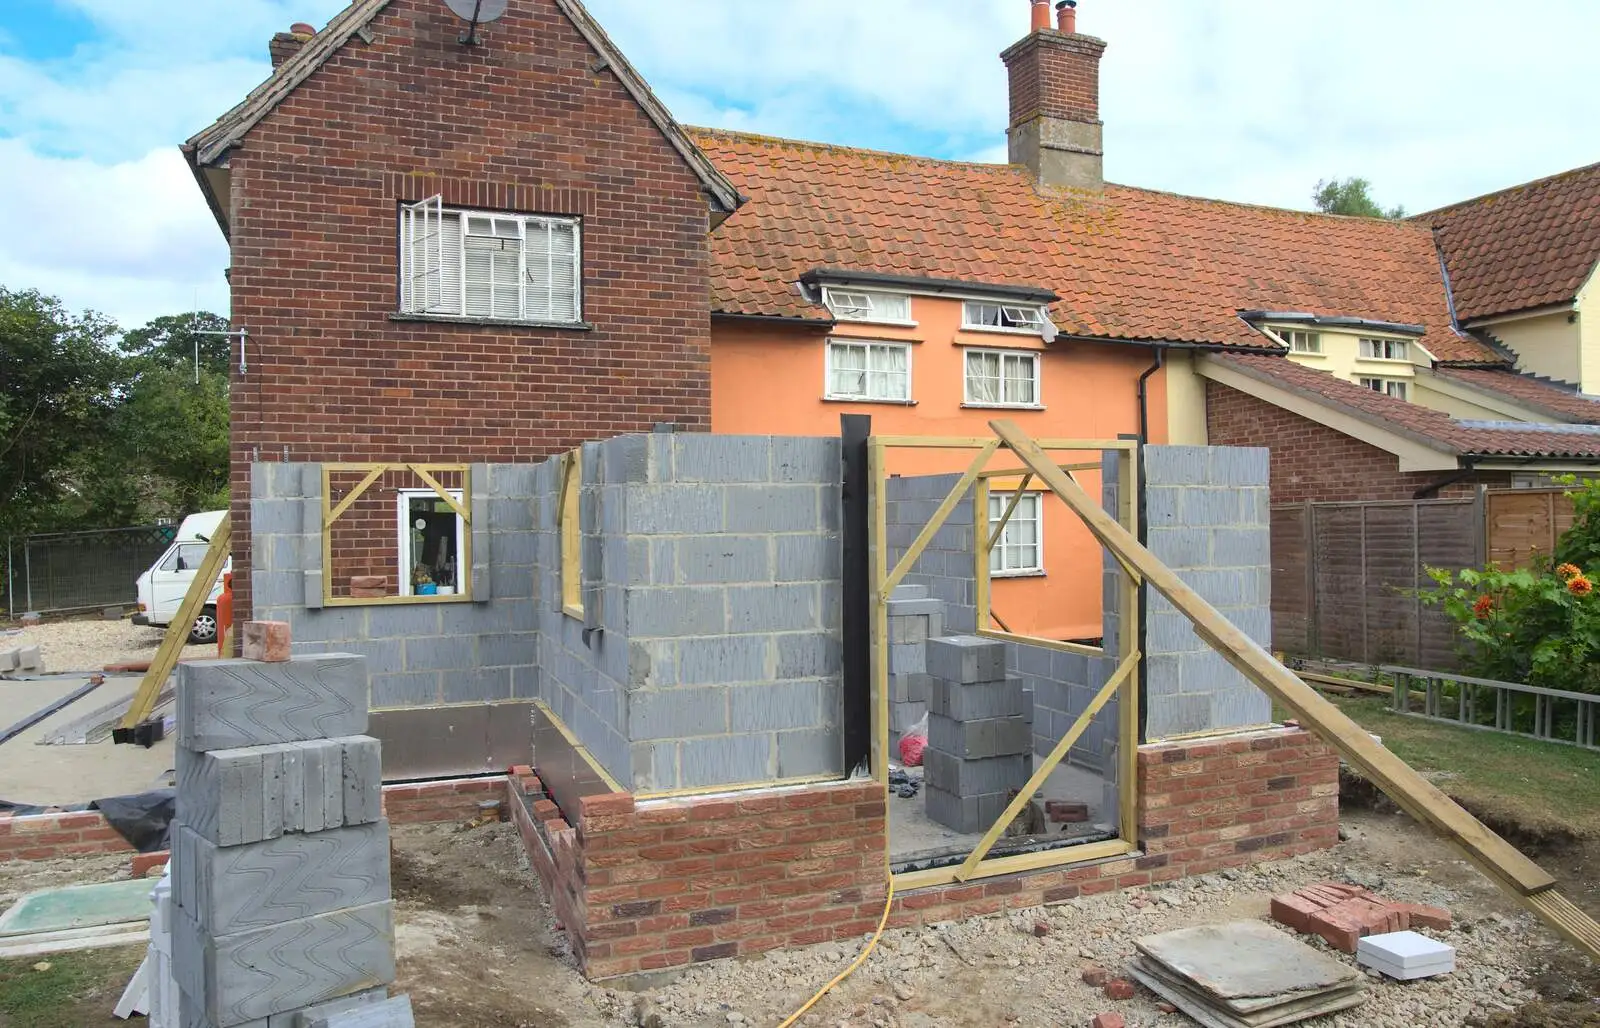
(1246,960)
(78,906)
(63,775)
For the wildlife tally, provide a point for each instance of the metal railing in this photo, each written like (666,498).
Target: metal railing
(1549,715)
(67,571)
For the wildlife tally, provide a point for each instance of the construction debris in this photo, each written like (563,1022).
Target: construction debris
(21,658)
(1406,956)
(1343,914)
(1245,975)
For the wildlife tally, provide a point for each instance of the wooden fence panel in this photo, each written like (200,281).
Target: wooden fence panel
(1291,579)
(1525,522)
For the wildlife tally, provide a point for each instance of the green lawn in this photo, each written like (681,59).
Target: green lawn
(74,989)
(1541,786)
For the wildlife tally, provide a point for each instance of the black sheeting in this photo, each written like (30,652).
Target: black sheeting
(143,819)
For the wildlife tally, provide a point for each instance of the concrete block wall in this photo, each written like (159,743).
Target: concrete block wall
(1208,514)
(418,655)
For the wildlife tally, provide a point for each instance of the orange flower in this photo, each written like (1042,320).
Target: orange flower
(1580,586)
(1569,571)
(1484,605)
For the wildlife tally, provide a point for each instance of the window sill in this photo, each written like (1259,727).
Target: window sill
(572,611)
(1001,330)
(1004,406)
(875,321)
(1391,361)
(454,319)
(1039,573)
(1307,353)
(863,399)
(391,601)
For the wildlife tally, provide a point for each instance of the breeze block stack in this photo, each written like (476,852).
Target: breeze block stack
(979,739)
(914,618)
(282,916)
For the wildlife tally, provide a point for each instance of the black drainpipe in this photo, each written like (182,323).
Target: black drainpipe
(1144,525)
(1431,490)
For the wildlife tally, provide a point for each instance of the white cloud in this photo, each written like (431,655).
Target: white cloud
(1250,100)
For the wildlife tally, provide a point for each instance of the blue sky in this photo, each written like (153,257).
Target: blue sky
(1249,100)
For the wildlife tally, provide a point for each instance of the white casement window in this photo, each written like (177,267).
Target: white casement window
(487,266)
(1019,550)
(1301,341)
(1384,350)
(998,317)
(868,305)
(430,534)
(1387,386)
(868,371)
(1000,378)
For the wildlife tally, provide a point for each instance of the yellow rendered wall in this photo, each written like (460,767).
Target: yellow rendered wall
(1545,345)
(1588,304)
(1422,392)
(1185,400)
(1341,357)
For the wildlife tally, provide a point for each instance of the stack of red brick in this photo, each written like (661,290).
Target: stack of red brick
(1343,914)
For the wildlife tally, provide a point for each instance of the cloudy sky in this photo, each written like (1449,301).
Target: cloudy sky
(1251,100)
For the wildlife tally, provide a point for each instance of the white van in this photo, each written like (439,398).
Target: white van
(163,587)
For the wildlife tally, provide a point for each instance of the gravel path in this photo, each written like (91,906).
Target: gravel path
(90,645)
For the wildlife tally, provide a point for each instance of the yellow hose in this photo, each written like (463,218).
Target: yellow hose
(872,944)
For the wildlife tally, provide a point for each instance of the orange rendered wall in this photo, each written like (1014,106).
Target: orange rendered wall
(767,379)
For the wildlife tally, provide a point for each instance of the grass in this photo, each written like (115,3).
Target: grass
(73,989)
(1543,787)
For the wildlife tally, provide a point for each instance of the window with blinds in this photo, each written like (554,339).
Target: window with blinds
(489,267)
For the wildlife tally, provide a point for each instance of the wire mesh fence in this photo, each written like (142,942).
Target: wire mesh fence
(67,571)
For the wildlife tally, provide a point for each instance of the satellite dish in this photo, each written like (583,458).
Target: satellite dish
(475,13)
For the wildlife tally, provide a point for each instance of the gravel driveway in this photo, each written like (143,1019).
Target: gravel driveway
(90,645)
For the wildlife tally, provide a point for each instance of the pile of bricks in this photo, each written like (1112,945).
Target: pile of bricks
(979,739)
(1344,914)
(21,658)
(280,864)
(914,618)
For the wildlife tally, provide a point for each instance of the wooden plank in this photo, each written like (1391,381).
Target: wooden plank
(462,512)
(989,539)
(994,867)
(931,442)
(940,515)
(1410,790)
(980,556)
(1019,472)
(166,658)
(330,516)
(1042,771)
(1059,645)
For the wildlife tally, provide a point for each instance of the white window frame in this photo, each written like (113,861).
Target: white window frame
(1373,348)
(998,502)
(869,345)
(406,559)
(1395,387)
(1004,356)
(1292,336)
(433,269)
(1029,319)
(870,306)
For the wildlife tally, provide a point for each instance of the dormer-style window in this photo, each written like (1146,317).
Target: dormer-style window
(489,266)
(868,305)
(1301,341)
(999,317)
(1388,386)
(1385,350)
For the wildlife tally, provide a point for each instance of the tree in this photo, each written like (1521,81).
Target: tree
(1351,196)
(175,339)
(57,373)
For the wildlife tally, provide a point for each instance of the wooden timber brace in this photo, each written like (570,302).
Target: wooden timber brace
(1509,868)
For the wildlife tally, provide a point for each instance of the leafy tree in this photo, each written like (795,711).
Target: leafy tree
(175,339)
(1351,196)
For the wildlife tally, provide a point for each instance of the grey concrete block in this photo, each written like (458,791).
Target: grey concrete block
(978,740)
(772,508)
(1240,465)
(315,810)
(1181,547)
(439,653)
(721,660)
(782,706)
(805,460)
(224,704)
(527,683)
(726,760)
(809,557)
(626,459)
(508,582)
(311,583)
(1178,715)
(974,777)
(513,649)
(477,685)
(405,690)
(676,510)
(1202,507)
(408,620)
(918,687)
(1161,507)
(907,593)
(305,1018)
(812,752)
(673,612)
(908,629)
(774,608)
(391,1013)
(1242,547)
(287,966)
(902,716)
(337,624)
(275,517)
(677,713)
(898,607)
(232,889)
(966,658)
(1177,465)
(361,779)
(723,458)
(976,700)
(811,655)
(965,814)
(718,559)
(908,658)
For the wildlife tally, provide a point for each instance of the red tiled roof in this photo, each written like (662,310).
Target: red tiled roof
(1523,247)
(1538,393)
(1132,264)
(1430,426)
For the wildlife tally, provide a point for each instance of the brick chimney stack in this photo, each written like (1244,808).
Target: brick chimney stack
(1055,101)
(285,45)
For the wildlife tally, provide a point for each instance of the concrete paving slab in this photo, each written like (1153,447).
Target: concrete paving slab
(64,775)
(1246,960)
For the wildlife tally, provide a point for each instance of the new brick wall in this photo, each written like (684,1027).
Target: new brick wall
(1314,462)
(523,123)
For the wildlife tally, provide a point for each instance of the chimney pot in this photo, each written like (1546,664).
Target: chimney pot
(1067,16)
(301,28)
(1041,15)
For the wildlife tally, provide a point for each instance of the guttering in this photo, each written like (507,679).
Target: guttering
(922,284)
(1332,321)
(1160,344)
(1431,490)
(826,324)
(1144,399)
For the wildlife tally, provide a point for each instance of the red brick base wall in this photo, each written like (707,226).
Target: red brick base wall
(431,802)
(664,883)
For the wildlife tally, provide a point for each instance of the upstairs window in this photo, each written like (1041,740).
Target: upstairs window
(868,371)
(997,317)
(1301,341)
(868,305)
(997,378)
(1384,350)
(1387,386)
(487,266)
(1018,550)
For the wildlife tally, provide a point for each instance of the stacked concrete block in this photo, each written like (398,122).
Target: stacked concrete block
(946,567)
(280,856)
(914,618)
(979,740)
(21,658)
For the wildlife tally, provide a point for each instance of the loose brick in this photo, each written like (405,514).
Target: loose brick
(1423,916)
(266,640)
(1119,988)
(1295,911)
(1108,1021)
(1096,976)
